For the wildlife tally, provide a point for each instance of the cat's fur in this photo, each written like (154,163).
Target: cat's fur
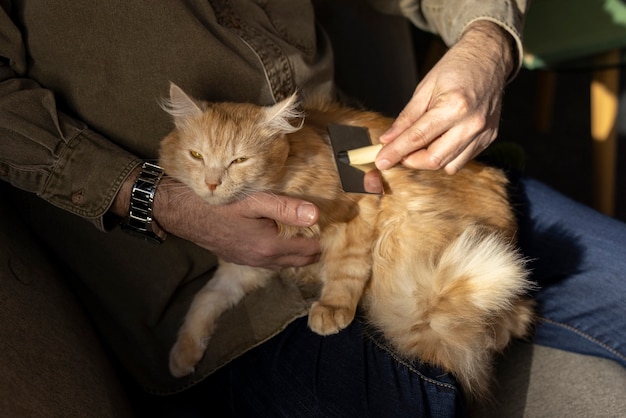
(432,262)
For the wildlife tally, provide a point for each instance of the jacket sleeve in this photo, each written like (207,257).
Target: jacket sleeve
(45,151)
(450,18)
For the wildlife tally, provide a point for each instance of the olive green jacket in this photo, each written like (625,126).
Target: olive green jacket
(80,84)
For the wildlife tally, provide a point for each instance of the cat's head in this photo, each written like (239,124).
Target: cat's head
(225,151)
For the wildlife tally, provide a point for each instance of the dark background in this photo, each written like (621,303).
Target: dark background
(561,157)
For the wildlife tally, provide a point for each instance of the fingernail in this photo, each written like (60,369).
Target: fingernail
(383,164)
(306,212)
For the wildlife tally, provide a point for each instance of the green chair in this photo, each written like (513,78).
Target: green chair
(582,34)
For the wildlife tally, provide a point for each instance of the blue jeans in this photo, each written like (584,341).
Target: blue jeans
(301,374)
(579,262)
(578,258)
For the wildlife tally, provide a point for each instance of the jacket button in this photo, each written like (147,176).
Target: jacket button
(78,197)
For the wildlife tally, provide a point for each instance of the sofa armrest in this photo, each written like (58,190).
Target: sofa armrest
(537,381)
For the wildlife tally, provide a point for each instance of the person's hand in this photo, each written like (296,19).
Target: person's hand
(243,232)
(455,110)
(373,182)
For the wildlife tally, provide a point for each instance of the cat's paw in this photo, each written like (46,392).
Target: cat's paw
(327,320)
(185,354)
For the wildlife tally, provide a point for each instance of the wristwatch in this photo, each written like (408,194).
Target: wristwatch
(139,221)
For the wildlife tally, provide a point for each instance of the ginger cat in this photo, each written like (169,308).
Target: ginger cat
(432,262)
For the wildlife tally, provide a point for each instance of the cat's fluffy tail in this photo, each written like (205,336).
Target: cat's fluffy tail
(455,311)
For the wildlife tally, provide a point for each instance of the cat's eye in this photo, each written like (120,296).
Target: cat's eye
(196,155)
(239,160)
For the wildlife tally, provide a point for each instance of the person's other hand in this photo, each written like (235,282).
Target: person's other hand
(243,232)
(455,110)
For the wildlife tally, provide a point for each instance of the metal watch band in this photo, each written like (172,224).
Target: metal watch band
(139,221)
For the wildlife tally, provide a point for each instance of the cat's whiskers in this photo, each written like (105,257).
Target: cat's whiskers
(252,193)
(180,189)
(175,186)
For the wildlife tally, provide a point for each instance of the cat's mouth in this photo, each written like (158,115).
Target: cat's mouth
(216,198)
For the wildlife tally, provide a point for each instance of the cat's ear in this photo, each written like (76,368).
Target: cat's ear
(285,116)
(180,105)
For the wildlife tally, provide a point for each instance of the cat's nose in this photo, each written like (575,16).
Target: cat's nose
(212,186)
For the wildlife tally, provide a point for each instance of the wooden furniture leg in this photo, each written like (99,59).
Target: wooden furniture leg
(604,107)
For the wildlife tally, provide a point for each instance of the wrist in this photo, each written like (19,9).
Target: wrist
(161,208)
(497,46)
(181,212)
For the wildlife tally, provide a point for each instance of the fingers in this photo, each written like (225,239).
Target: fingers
(468,154)
(416,107)
(284,252)
(415,128)
(373,182)
(299,257)
(270,250)
(427,118)
(446,137)
(425,145)
(287,210)
(271,257)
(452,150)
